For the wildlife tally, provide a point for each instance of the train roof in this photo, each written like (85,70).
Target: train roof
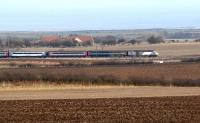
(28,51)
(143,50)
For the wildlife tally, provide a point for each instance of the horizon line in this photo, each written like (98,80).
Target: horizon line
(85,30)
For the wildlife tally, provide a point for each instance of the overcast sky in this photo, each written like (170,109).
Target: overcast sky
(44,15)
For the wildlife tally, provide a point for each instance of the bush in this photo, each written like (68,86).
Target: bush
(65,43)
(155,40)
(197,40)
(134,41)
(107,40)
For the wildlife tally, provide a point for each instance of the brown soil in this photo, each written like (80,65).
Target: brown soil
(127,110)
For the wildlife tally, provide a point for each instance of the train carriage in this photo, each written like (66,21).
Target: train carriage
(27,54)
(106,53)
(4,54)
(67,54)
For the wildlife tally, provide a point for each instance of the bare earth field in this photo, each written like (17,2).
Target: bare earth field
(97,92)
(165,50)
(121,110)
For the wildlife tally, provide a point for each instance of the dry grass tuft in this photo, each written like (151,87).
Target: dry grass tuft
(7,86)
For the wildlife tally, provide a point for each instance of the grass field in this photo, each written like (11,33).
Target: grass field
(184,74)
(128,110)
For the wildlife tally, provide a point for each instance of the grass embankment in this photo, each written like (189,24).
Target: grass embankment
(139,75)
(70,62)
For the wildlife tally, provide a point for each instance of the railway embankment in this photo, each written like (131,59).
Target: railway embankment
(77,62)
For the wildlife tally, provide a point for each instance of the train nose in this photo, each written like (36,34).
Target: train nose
(156,53)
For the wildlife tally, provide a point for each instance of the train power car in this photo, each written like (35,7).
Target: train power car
(106,53)
(27,54)
(67,54)
(142,53)
(148,53)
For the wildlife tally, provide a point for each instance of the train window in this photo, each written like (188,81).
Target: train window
(67,52)
(27,53)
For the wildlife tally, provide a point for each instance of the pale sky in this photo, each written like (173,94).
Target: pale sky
(68,15)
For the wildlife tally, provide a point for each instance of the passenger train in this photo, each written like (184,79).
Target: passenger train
(78,54)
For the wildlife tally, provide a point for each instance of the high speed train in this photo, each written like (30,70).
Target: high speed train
(78,54)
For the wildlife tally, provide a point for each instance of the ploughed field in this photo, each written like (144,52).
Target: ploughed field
(126,110)
(183,74)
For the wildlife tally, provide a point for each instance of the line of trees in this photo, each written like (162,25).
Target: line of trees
(15,42)
(63,43)
(57,43)
(112,40)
